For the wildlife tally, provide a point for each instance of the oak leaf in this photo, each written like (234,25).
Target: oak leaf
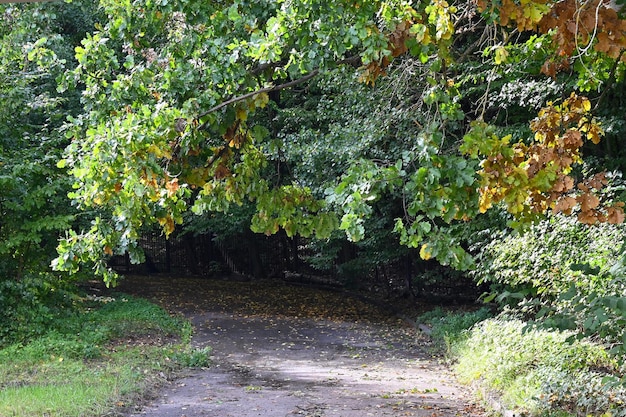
(615,215)
(172,187)
(222,172)
(565,205)
(588,201)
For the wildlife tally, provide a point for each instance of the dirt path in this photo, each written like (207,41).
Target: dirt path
(283,351)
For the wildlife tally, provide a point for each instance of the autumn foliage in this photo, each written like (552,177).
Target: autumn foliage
(575,27)
(532,179)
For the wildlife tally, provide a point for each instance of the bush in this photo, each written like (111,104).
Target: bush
(564,275)
(538,263)
(31,305)
(97,321)
(113,351)
(448,328)
(194,357)
(541,372)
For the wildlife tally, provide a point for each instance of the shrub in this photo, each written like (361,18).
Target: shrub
(31,305)
(540,372)
(564,275)
(194,357)
(450,328)
(539,261)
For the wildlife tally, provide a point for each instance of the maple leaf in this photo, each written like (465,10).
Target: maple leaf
(222,172)
(598,181)
(501,55)
(564,184)
(594,132)
(587,217)
(172,187)
(565,205)
(167,223)
(572,139)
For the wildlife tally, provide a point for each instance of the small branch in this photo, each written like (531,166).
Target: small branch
(217,157)
(354,60)
(254,93)
(262,67)
(610,80)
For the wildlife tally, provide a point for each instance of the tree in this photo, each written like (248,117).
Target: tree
(174,96)
(36,45)
(36,42)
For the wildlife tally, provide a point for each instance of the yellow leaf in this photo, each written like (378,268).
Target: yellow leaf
(167,223)
(501,55)
(420,31)
(155,150)
(172,187)
(261,100)
(242,114)
(586,105)
(425,254)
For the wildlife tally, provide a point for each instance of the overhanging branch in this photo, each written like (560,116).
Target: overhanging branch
(350,61)
(262,90)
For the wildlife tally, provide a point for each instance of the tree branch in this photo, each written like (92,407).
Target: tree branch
(254,93)
(354,60)
(610,80)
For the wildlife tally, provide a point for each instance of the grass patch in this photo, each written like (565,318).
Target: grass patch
(450,328)
(105,356)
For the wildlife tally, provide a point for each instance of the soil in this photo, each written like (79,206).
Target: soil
(287,351)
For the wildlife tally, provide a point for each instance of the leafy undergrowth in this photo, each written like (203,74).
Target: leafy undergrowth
(450,327)
(104,357)
(532,371)
(542,372)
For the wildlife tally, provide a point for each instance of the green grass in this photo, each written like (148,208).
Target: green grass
(449,328)
(106,355)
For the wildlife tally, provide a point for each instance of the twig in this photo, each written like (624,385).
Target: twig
(610,80)
(254,93)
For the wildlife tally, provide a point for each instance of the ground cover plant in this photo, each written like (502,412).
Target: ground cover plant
(556,347)
(107,353)
(541,372)
(532,371)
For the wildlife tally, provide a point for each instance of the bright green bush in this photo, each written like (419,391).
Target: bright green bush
(29,307)
(538,262)
(194,357)
(450,328)
(562,274)
(540,372)
(111,350)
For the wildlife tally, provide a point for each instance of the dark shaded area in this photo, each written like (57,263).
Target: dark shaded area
(248,256)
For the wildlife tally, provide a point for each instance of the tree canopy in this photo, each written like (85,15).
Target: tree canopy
(445,109)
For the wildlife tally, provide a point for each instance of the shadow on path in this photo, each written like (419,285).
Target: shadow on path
(285,351)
